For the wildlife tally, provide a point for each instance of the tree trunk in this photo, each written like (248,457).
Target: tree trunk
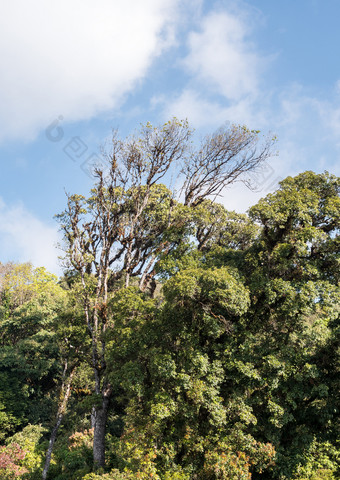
(101,414)
(51,445)
(65,395)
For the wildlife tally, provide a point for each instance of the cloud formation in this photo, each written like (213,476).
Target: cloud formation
(202,111)
(221,55)
(25,238)
(224,72)
(74,61)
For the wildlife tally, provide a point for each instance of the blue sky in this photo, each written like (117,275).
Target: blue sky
(74,69)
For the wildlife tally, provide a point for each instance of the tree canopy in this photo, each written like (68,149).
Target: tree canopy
(184,341)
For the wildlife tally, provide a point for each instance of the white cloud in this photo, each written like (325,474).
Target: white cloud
(74,58)
(227,83)
(224,72)
(25,238)
(204,112)
(221,56)
(239,198)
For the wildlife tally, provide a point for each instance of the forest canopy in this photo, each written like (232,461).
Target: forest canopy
(183,341)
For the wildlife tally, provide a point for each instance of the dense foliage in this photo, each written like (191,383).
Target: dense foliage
(222,364)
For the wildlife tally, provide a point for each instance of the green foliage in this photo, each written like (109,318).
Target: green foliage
(29,440)
(22,282)
(213,289)
(226,465)
(229,369)
(113,475)
(29,353)
(319,461)
(73,457)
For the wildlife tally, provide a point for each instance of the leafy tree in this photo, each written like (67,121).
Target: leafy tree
(292,272)
(31,300)
(199,343)
(29,440)
(130,220)
(207,379)
(41,342)
(180,418)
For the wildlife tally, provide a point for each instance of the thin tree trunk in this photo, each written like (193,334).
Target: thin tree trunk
(51,445)
(65,395)
(99,432)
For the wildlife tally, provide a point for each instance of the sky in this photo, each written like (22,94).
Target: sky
(73,70)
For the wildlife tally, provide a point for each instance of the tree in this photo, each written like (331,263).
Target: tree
(292,271)
(184,413)
(220,349)
(241,357)
(40,339)
(131,220)
(72,348)
(30,302)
